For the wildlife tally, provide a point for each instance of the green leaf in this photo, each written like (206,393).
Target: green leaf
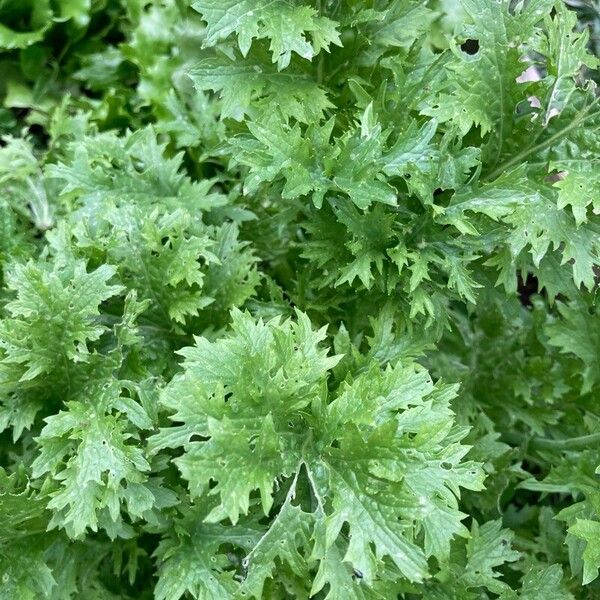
(483,88)
(52,304)
(566,52)
(578,333)
(252,396)
(287,536)
(249,86)
(488,548)
(542,582)
(190,562)
(108,168)
(40,22)
(99,472)
(588,531)
(297,29)
(578,187)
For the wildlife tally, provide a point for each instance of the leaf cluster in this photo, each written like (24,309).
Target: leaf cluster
(298,299)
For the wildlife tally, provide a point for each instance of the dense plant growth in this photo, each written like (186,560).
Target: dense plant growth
(298,299)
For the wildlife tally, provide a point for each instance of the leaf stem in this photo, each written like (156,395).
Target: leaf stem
(520,156)
(576,443)
(541,443)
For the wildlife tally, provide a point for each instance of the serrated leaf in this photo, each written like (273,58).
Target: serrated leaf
(297,29)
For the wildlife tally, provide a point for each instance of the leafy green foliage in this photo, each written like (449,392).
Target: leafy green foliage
(396,421)
(287,27)
(298,299)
